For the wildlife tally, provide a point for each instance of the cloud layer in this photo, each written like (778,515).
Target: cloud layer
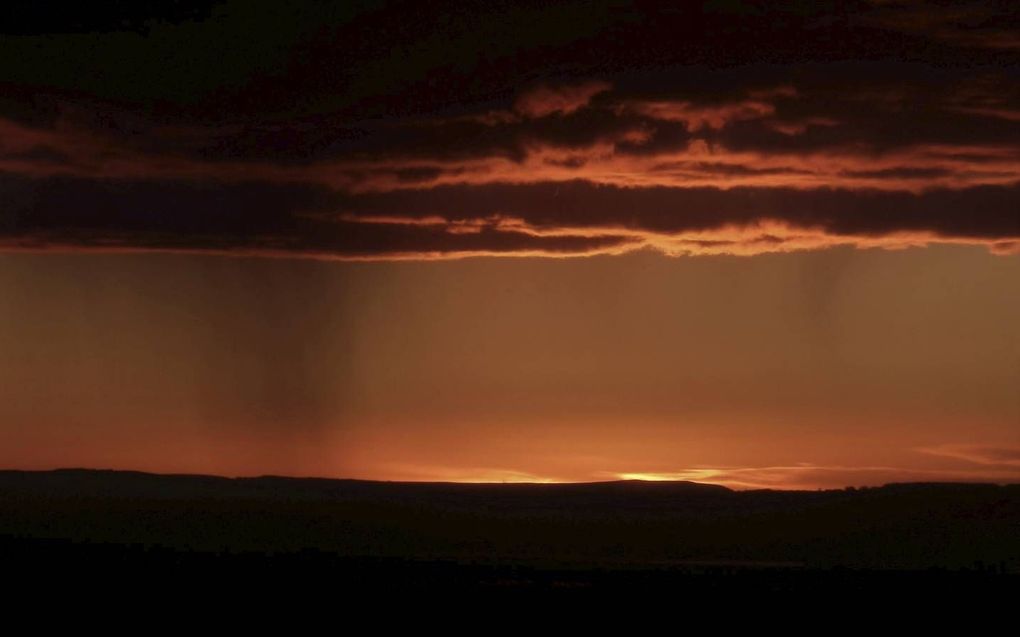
(381,132)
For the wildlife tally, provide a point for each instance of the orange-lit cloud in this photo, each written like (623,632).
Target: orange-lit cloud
(715,116)
(606,160)
(558,100)
(851,130)
(761,237)
(550,218)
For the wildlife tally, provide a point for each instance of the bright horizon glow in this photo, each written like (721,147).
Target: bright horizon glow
(695,476)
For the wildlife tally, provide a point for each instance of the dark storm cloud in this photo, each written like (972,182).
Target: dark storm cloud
(741,220)
(244,218)
(991,210)
(551,218)
(371,129)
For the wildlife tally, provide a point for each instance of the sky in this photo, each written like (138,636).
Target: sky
(755,244)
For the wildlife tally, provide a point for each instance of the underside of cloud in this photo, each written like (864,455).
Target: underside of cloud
(655,127)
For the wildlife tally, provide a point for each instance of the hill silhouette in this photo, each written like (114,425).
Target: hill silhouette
(600,533)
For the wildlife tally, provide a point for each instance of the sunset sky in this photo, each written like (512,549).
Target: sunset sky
(759,244)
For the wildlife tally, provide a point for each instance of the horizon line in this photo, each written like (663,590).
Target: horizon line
(547,483)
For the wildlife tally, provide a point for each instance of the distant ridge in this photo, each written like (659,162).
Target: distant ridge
(91,472)
(117,483)
(589,525)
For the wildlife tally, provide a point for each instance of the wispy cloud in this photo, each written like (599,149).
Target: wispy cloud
(998,456)
(811,476)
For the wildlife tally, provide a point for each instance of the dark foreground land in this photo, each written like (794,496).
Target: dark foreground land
(67,526)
